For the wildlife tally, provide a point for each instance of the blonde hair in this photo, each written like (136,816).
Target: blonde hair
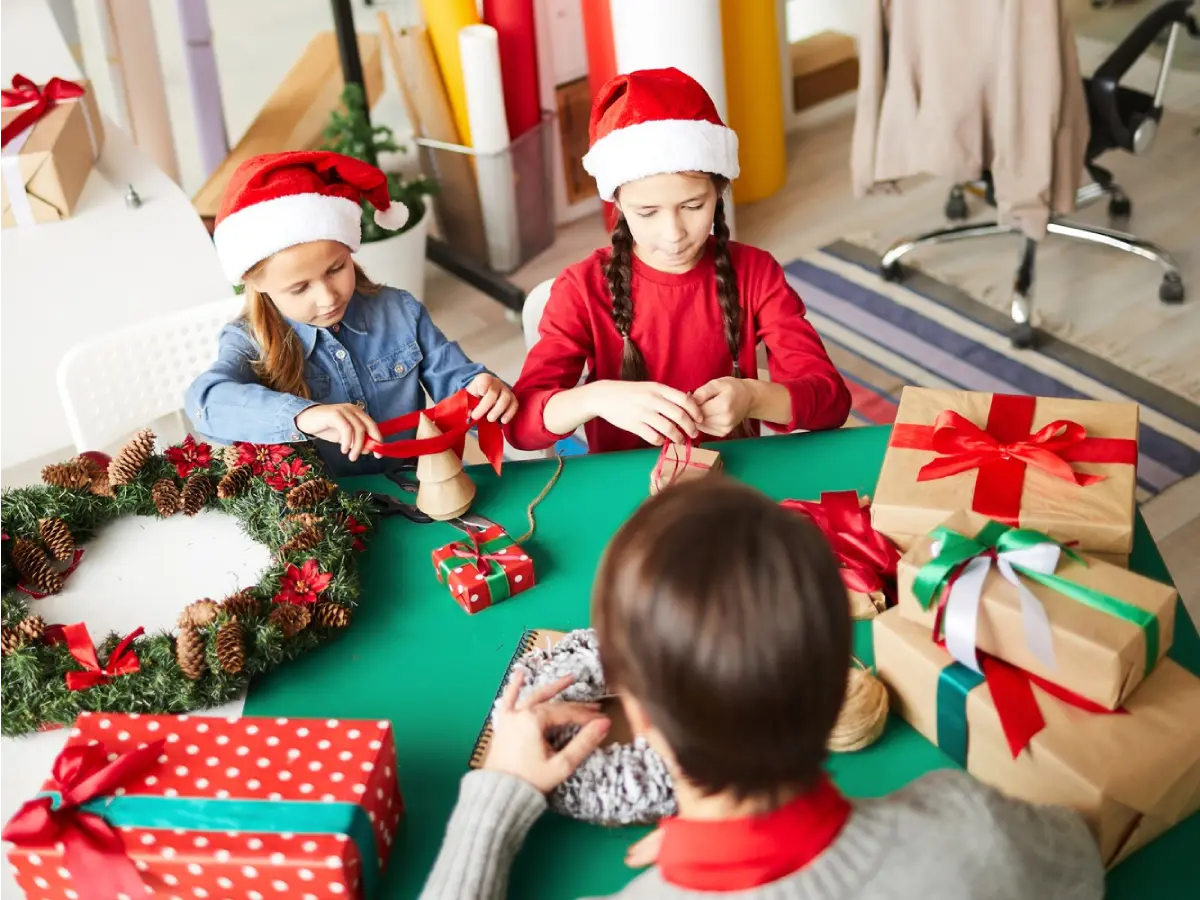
(280,363)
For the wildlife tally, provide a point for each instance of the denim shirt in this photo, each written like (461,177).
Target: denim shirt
(383,355)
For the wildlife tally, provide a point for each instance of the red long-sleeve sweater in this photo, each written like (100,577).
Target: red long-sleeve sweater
(677,325)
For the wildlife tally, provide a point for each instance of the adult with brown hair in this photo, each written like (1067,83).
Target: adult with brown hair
(668,320)
(723,628)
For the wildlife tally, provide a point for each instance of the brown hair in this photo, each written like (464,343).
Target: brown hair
(724,615)
(280,363)
(619,272)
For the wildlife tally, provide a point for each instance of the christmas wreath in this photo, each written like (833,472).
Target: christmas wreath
(52,672)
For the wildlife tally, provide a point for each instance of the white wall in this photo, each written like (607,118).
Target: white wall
(807,17)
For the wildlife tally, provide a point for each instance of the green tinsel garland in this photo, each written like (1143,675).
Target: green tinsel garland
(35,694)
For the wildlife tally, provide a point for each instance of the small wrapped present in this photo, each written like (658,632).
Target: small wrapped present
(867,559)
(207,807)
(1064,467)
(1095,629)
(677,462)
(52,138)
(484,570)
(1131,774)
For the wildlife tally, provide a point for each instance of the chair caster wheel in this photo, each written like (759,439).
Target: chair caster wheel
(1120,208)
(956,207)
(1171,289)
(1022,336)
(891,272)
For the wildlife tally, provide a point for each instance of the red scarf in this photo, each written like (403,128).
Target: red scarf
(737,854)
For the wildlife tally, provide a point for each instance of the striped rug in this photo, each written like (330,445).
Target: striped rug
(883,336)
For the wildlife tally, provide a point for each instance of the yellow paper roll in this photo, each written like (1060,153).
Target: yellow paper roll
(754,94)
(443,20)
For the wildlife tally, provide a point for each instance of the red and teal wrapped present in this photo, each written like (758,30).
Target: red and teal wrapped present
(198,806)
(484,570)
(1131,774)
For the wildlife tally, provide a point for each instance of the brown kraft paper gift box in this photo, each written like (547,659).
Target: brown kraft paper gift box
(1132,776)
(56,158)
(1099,656)
(1098,516)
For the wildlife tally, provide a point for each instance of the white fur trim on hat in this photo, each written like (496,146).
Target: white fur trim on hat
(393,218)
(250,235)
(661,146)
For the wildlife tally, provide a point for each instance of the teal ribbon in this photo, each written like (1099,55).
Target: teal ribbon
(496,580)
(957,549)
(954,683)
(265,816)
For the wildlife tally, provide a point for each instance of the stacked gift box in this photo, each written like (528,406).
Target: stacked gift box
(1021,644)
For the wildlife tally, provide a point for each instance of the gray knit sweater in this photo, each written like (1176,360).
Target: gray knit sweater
(944,837)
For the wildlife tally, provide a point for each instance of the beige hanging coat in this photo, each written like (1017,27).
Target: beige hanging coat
(952,88)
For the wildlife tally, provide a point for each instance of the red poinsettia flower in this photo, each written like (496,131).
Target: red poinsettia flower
(301,584)
(289,474)
(261,457)
(356,528)
(189,456)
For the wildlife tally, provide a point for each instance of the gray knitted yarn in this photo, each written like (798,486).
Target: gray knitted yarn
(621,784)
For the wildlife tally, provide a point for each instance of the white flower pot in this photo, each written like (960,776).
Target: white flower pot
(398,261)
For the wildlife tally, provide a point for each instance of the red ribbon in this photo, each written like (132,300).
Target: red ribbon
(453,418)
(122,661)
(677,464)
(1004,450)
(40,100)
(472,551)
(867,559)
(92,849)
(42,595)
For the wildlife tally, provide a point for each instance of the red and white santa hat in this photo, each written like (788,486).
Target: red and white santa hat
(279,200)
(655,121)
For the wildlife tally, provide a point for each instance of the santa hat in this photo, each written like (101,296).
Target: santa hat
(278,200)
(652,122)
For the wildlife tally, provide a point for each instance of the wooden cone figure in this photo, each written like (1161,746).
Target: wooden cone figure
(444,490)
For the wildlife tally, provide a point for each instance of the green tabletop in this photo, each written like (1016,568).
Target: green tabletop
(413,656)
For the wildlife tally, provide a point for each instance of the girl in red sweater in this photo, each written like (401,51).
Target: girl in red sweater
(669,319)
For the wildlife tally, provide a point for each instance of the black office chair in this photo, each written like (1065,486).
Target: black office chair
(1120,119)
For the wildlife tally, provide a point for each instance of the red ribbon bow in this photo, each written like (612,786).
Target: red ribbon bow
(40,99)
(121,661)
(453,418)
(92,849)
(665,455)
(472,551)
(867,558)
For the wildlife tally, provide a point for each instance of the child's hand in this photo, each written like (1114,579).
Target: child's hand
(650,410)
(340,423)
(499,403)
(724,404)
(644,852)
(519,734)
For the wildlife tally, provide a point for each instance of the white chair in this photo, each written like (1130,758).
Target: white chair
(531,311)
(116,383)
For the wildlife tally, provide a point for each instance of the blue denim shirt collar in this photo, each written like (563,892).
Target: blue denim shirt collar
(353,320)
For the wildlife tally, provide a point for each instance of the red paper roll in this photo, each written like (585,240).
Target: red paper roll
(598,36)
(513,21)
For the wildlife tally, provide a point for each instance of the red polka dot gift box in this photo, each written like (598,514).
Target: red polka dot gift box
(484,570)
(187,807)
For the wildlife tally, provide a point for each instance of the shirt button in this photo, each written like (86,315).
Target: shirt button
(341,354)
(400,368)
(295,437)
(335,328)
(361,404)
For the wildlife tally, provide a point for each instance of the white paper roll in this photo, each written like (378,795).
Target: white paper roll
(480,50)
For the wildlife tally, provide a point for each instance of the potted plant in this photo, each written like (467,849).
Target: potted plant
(394,258)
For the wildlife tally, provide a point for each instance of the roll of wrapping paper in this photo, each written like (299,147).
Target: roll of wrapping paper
(513,21)
(479,49)
(754,92)
(444,19)
(602,63)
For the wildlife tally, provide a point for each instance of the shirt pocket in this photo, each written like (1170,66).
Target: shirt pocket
(319,383)
(397,364)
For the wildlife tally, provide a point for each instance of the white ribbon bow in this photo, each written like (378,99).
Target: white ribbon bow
(961,616)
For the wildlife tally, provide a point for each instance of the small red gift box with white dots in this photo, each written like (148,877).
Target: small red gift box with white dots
(483,571)
(302,802)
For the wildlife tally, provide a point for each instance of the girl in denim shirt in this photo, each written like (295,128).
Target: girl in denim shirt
(321,351)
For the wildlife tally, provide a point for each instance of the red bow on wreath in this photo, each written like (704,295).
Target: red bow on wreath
(41,100)
(122,661)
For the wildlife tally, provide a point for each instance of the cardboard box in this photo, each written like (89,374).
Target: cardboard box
(1098,655)
(679,462)
(479,576)
(55,160)
(330,787)
(988,438)
(1132,776)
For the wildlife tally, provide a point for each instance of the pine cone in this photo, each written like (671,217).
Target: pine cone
(303,540)
(189,653)
(231,647)
(231,455)
(129,460)
(166,497)
(332,615)
(70,476)
(10,640)
(57,538)
(241,605)
(303,520)
(32,628)
(290,619)
(309,494)
(31,562)
(101,486)
(93,468)
(198,614)
(196,492)
(234,482)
